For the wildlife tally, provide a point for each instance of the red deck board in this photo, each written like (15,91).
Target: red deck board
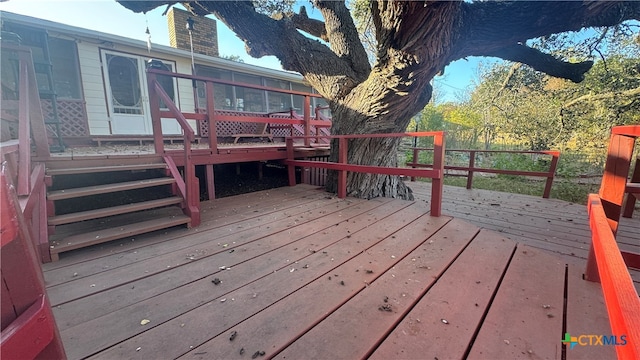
(259,260)
(245,245)
(272,308)
(199,243)
(244,219)
(525,318)
(460,297)
(586,314)
(356,327)
(234,210)
(311,303)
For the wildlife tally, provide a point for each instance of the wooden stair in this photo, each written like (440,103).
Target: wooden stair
(98,201)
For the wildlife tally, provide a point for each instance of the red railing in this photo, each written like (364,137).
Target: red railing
(28,326)
(28,178)
(606,263)
(471,168)
(212,116)
(188,188)
(436,173)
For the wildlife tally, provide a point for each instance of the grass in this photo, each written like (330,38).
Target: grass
(567,190)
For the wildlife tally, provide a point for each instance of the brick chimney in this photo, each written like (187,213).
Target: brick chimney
(205,35)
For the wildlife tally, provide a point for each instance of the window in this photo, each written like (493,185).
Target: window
(66,71)
(222,94)
(278,101)
(167,84)
(298,100)
(248,99)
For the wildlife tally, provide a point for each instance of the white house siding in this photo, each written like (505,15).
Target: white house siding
(92,84)
(185,89)
(94,89)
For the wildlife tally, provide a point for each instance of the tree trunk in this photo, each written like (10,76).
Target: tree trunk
(368,151)
(373,151)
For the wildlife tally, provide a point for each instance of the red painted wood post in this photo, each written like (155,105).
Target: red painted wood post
(156,122)
(342,174)
(24,134)
(291,169)
(437,183)
(213,130)
(45,252)
(472,164)
(630,203)
(614,179)
(307,120)
(552,171)
(192,185)
(415,161)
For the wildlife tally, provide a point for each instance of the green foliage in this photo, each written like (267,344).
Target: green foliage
(519,162)
(271,7)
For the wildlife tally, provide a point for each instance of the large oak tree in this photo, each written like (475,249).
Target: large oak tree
(415,41)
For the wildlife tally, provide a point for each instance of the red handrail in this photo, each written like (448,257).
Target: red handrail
(471,168)
(607,264)
(343,167)
(187,187)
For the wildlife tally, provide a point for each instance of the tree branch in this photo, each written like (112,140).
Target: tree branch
(498,29)
(492,24)
(540,61)
(610,95)
(144,6)
(311,26)
(343,36)
(329,74)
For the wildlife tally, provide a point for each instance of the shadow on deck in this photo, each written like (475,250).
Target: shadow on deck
(297,273)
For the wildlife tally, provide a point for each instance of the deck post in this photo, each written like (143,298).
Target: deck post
(307,120)
(213,132)
(211,189)
(342,174)
(472,164)
(415,161)
(437,183)
(24,134)
(552,171)
(291,169)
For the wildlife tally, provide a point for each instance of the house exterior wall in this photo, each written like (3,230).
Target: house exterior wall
(92,45)
(93,88)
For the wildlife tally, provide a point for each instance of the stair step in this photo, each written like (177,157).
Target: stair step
(103,235)
(97,169)
(114,210)
(102,189)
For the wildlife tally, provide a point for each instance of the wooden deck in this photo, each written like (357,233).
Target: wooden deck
(296,273)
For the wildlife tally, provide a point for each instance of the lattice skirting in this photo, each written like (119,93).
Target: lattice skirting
(230,128)
(72,115)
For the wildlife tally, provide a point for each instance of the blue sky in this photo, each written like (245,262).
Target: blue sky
(110,17)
